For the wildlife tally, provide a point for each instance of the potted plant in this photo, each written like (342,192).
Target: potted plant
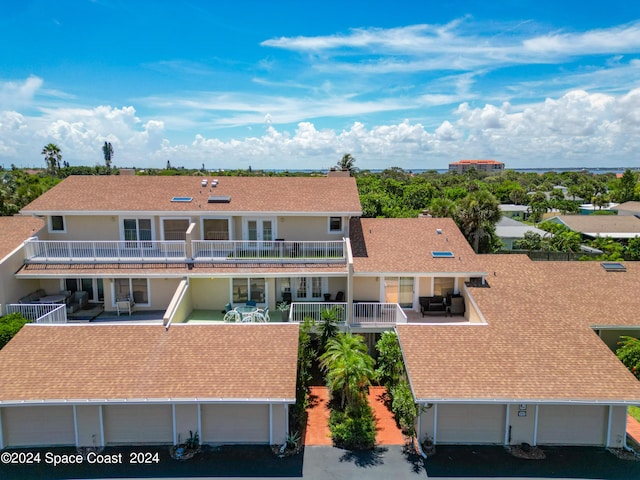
(283,307)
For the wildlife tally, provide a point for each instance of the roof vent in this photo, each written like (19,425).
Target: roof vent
(442,254)
(214,183)
(613,267)
(438,231)
(204,182)
(219,199)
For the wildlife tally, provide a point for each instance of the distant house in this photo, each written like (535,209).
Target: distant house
(479,165)
(628,208)
(592,226)
(510,231)
(511,210)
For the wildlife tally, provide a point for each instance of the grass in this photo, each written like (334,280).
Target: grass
(634,412)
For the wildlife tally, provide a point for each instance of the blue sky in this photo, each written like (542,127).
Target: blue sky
(292,84)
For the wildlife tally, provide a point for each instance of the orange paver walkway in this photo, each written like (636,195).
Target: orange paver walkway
(633,428)
(317,430)
(388,432)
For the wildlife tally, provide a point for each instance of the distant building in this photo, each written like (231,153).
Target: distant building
(480,165)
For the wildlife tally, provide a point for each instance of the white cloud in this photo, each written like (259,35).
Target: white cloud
(578,128)
(17,94)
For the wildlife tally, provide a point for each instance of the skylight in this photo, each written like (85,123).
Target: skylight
(219,199)
(442,254)
(613,267)
(182,199)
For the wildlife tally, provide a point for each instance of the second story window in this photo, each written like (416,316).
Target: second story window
(335,224)
(57,223)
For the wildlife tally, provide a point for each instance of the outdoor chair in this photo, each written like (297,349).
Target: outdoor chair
(251,303)
(340,297)
(232,316)
(457,306)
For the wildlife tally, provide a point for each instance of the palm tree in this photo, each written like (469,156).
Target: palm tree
(477,215)
(347,163)
(348,368)
(441,207)
(107,150)
(52,156)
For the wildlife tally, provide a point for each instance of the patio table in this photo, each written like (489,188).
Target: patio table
(59,298)
(246,312)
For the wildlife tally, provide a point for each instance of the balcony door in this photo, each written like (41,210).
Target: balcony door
(259,229)
(175,228)
(399,290)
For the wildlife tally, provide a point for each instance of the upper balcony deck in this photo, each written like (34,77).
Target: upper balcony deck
(218,251)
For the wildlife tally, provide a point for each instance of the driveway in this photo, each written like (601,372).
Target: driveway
(322,463)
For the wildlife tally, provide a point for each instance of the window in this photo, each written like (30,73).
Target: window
(335,224)
(136,229)
(94,286)
(131,288)
(57,223)
(245,289)
(216,229)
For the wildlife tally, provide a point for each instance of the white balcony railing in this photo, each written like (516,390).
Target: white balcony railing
(52,251)
(269,251)
(40,312)
(377,314)
(363,314)
(301,310)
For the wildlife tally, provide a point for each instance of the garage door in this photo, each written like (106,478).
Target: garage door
(225,424)
(34,426)
(471,423)
(136,424)
(572,425)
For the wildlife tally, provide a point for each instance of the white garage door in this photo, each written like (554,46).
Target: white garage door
(33,426)
(471,423)
(572,425)
(137,424)
(224,424)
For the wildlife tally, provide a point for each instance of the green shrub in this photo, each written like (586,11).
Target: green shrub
(390,364)
(404,408)
(629,354)
(9,326)
(353,429)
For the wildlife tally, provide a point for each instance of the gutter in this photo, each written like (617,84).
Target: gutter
(146,401)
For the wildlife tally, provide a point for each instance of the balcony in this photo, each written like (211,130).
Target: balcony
(239,251)
(40,312)
(363,314)
(53,251)
(176,251)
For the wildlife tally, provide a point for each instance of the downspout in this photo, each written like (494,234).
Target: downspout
(347,244)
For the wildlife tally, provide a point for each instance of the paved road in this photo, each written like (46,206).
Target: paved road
(327,463)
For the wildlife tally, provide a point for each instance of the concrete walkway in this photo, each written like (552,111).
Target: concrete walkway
(317,430)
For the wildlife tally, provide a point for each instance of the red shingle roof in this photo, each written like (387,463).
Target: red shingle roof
(116,362)
(82,194)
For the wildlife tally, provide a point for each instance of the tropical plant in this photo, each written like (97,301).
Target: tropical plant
(390,364)
(10,325)
(353,428)
(52,157)
(193,442)
(348,368)
(347,163)
(629,353)
(404,407)
(328,326)
(477,215)
(107,150)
